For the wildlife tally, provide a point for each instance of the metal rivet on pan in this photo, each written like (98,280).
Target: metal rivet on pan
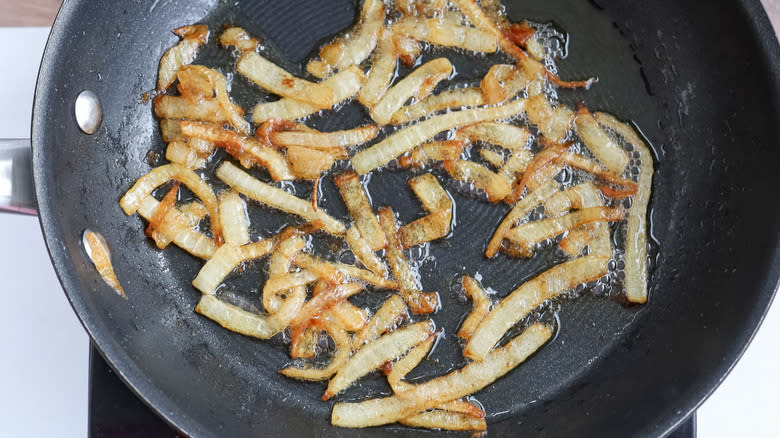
(89,113)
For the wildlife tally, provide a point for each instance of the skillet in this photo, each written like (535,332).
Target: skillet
(705,97)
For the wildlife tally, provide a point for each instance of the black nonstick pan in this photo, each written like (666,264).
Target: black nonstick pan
(700,79)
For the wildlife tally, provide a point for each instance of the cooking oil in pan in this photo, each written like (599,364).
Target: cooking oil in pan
(554,46)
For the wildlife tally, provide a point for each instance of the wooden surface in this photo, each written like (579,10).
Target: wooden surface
(42,12)
(28,12)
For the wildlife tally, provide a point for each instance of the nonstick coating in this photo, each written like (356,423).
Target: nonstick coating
(700,78)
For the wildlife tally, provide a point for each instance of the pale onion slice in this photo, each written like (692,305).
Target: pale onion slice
(261,248)
(309,164)
(156,221)
(356,46)
(417,84)
(408,138)
(305,345)
(402,367)
(492,156)
(232,113)
(225,260)
(275,197)
(247,149)
(418,302)
(525,237)
(204,148)
(337,271)
(292,280)
(235,221)
(460,383)
(194,85)
(435,200)
(432,152)
(277,80)
(519,33)
(535,48)
(363,252)
(179,107)
(529,296)
(431,194)
(544,175)
(478,18)
(98,252)
(340,356)
(197,78)
(458,98)
(606,150)
(283,255)
(595,235)
(200,87)
(494,185)
(522,208)
(554,124)
(323,301)
(345,85)
(480,307)
(158,176)
(543,167)
(170,130)
(383,67)
(510,137)
(350,316)
(373,355)
(421,8)
(194,211)
(356,200)
(325,140)
(181,54)
(176,228)
(531,67)
(279,265)
(222,263)
(426,229)
(162,174)
(577,239)
(247,323)
(636,233)
(543,160)
(181,153)
(389,316)
(580,196)
(448,32)
(503,82)
(516,164)
(583,163)
(496,11)
(407,49)
(445,420)
(238,38)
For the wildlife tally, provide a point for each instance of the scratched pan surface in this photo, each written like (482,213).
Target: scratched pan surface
(700,79)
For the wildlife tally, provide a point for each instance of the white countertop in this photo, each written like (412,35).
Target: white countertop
(44,364)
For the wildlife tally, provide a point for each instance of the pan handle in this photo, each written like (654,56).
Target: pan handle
(17,192)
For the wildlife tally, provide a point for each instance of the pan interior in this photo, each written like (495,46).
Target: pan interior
(656,71)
